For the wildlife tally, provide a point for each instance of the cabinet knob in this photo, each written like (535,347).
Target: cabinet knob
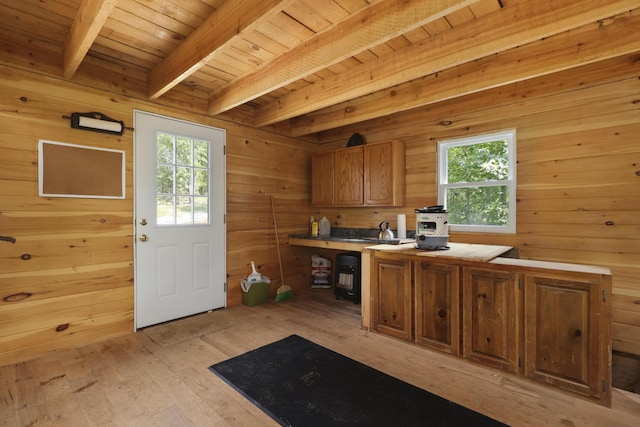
(578,333)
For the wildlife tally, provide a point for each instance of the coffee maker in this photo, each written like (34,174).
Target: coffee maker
(432,228)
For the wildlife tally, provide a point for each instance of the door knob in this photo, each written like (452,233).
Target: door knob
(143,221)
(143,238)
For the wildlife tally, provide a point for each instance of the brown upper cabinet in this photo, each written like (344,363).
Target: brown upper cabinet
(349,177)
(365,175)
(323,166)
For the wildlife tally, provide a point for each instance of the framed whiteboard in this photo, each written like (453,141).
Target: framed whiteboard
(68,170)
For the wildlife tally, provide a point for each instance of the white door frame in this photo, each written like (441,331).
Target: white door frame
(138,229)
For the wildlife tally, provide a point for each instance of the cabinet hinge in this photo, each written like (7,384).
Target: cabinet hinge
(225,218)
(604,295)
(604,386)
(520,283)
(225,286)
(519,362)
(224,150)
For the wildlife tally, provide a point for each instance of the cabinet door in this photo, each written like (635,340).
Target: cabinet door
(437,301)
(391,292)
(323,168)
(491,326)
(384,174)
(350,177)
(562,335)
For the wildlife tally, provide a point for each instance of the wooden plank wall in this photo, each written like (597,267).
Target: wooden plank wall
(68,278)
(578,179)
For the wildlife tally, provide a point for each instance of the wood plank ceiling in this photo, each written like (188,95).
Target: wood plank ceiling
(322,64)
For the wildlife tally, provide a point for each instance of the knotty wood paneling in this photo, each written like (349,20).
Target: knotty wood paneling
(578,179)
(578,192)
(68,279)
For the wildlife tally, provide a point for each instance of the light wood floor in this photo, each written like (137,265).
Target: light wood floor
(136,381)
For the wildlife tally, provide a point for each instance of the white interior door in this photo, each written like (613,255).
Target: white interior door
(180,265)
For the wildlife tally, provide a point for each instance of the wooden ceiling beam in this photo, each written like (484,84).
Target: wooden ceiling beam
(227,22)
(592,43)
(376,24)
(521,23)
(88,22)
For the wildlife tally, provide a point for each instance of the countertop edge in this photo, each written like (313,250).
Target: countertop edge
(552,265)
(458,251)
(328,244)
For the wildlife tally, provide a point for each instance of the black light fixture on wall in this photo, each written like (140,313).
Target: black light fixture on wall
(96,122)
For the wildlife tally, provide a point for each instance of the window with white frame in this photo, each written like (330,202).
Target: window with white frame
(182,180)
(477,182)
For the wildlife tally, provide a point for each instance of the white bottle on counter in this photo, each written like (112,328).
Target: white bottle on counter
(402,226)
(324,227)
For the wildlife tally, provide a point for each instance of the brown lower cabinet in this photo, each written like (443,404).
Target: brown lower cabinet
(545,321)
(563,332)
(492,307)
(437,308)
(392,297)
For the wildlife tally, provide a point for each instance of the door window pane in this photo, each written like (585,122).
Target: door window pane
(182,172)
(201,210)
(184,210)
(184,146)
(165,179)
(165,210)
(201,154)
(183,180)
(201,182)
(164,148)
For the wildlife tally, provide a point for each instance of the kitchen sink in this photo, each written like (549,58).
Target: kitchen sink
(356,235)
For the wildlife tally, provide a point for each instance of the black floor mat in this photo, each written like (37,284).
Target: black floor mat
(299,383)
